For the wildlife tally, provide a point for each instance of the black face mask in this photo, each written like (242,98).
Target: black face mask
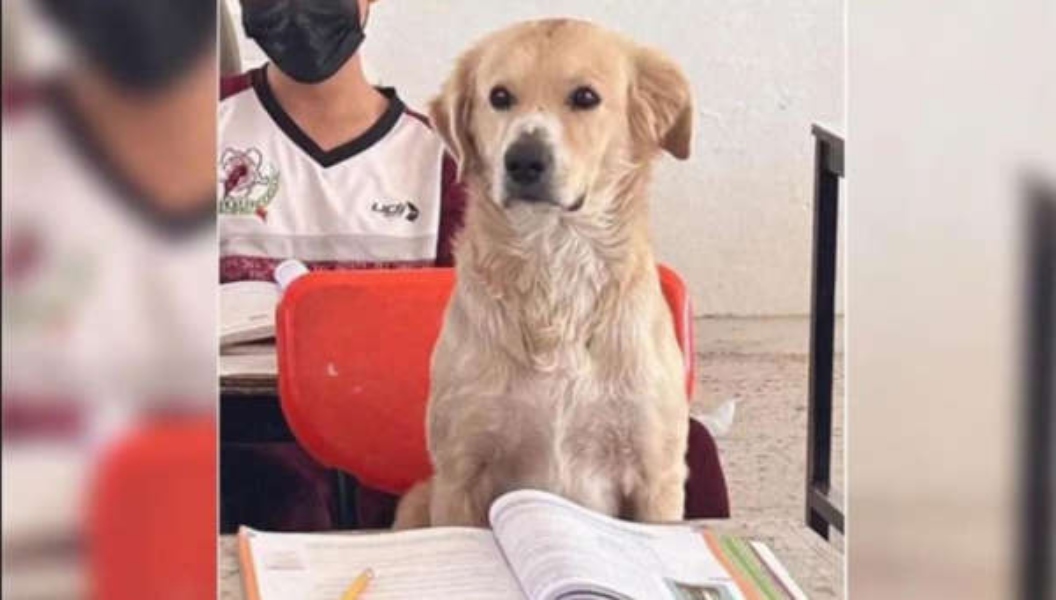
(309,40)
(141,44)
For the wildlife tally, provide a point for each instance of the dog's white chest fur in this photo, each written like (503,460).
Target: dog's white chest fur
(548,378)
(574,450)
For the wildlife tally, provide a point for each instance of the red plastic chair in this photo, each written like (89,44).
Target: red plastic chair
(151,528)
(354,352)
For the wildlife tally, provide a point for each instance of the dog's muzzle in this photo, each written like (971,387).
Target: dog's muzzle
(529,166)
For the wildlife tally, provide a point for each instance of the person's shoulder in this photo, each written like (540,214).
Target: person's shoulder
(418,120)
(237,97)
(17,95)
(233,85)
(422,128)
(419,117)
(450,166)
(29,112)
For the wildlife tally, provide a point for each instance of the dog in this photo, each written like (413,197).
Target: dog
(557,366)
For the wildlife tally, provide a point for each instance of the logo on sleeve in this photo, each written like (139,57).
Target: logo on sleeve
(249,185)
(396,210)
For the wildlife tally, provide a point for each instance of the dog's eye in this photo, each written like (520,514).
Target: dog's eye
(584,98)
(501,98)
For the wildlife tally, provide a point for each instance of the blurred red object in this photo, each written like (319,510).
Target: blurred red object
(152,514)
(354,352)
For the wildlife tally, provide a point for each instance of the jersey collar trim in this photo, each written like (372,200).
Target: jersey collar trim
(326,158)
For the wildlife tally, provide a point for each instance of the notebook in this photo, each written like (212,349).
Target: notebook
(539,547)
(247,312)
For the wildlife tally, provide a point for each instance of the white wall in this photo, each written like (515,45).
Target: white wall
(735,219)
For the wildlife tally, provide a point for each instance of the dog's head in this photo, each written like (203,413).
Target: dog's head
(555,112)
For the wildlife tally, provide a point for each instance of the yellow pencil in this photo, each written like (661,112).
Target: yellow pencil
(358,585)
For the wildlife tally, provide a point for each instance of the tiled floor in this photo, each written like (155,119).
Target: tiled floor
(762,363)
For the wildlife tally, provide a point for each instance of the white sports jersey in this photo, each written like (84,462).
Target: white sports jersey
(385,199)
(104,298)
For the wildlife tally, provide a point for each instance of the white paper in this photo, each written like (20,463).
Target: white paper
(427,564)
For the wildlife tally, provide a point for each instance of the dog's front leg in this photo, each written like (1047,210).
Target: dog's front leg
(461,501)
(661,498)
(412,512)
(661,495)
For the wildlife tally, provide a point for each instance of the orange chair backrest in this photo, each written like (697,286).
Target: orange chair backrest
(354,352)
(151,515)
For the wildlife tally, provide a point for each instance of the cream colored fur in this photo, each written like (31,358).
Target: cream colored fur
(557,367)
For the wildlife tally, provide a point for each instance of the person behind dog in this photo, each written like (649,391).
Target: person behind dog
(318,165)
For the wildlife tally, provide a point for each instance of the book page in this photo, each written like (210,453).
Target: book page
(247,311)
(557,549)
(427,564)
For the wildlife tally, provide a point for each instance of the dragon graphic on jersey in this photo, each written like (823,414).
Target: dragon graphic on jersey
(249,185)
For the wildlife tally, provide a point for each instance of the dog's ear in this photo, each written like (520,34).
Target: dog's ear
(450,112)
(661,104)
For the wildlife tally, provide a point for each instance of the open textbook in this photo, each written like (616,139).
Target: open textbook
(540,547)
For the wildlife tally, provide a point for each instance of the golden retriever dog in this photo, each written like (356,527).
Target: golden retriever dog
(557,367)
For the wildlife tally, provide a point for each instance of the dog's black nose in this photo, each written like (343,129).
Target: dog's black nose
(528,162)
